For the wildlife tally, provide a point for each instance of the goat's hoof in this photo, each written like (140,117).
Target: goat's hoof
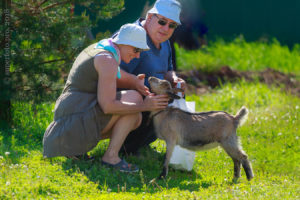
(235,180)
(162,176)
(250,178)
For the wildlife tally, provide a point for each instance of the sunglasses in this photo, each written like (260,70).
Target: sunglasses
(163,22)
(137,50)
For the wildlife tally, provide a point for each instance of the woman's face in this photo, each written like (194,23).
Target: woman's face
(128,53)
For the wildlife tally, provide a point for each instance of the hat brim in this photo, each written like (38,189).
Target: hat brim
(140,45)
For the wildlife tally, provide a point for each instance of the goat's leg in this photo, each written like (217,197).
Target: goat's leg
(231,146)
(237,168)
(248,169)
(170,148)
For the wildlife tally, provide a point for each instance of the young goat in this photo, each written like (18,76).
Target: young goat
(198,131)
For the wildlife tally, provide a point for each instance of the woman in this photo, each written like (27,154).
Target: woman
(90,108)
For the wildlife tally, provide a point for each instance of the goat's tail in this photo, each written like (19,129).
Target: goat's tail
(241,116)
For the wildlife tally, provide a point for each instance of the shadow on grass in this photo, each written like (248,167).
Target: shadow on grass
(25,134)
(18,143)
(150,164)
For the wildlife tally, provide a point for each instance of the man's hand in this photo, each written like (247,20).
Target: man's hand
(179,80)
(140,87)
(174,79)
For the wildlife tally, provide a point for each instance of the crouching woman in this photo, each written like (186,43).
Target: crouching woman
(90,108)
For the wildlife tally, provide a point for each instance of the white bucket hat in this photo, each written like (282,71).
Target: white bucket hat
(133,35)
(167,8)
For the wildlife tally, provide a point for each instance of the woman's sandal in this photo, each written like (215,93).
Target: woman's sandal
(84,157)
(122,166)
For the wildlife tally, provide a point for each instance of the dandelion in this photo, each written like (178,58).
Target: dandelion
(279,134)
(7,153)
(297,137)
(297,107)
(1,157)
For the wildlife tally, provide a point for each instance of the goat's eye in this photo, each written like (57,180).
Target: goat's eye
(165,84)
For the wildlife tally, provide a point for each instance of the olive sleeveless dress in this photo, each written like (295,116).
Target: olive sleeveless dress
(78,118)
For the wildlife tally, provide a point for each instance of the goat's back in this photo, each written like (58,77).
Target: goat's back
(203,127)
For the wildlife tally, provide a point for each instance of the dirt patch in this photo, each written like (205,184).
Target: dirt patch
(201,82)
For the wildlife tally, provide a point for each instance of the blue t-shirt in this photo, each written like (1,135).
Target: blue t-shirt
(154,62)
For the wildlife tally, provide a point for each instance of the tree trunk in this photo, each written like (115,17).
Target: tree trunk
(5,84)
(5,112)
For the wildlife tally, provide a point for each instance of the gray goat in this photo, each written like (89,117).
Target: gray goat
(198,131)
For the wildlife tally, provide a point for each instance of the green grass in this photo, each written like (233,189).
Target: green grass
(270,137)
(241,55)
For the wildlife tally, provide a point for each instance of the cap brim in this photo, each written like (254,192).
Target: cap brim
(165,14)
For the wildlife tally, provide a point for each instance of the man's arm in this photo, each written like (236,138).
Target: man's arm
(171,75)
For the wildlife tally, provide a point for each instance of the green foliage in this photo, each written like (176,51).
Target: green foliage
(46,37)
(241,55)
(43,38)
(270,137)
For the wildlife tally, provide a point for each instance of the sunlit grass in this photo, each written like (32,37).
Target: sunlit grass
(273,127)
(241,55)
(270,137)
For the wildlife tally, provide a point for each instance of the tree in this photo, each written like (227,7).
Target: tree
(44,36)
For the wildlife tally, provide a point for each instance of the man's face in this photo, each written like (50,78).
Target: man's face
(160,28)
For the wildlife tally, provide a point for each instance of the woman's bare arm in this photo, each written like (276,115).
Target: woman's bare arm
(131,81)
(106,66)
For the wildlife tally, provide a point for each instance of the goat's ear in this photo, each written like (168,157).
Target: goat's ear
(172,95)
(175,90)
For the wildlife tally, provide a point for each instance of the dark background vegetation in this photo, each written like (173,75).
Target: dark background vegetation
(46,35)
(255,19)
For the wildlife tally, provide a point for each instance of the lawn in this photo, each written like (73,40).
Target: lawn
(241,55)
(270,137)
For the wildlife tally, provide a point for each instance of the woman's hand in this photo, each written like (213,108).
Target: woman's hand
(140,87)
(154,102)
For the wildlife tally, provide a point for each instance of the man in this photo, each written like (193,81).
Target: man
(159,24)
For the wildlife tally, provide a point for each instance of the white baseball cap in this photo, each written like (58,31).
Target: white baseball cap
(133,35)
(168,8)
